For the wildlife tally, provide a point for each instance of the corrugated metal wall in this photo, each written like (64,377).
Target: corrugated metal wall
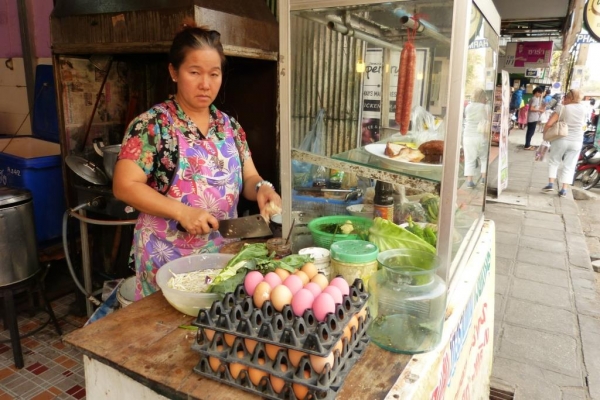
(323,75)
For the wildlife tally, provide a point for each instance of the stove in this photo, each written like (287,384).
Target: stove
(103,202)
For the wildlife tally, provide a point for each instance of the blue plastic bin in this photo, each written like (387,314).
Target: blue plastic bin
(34,164)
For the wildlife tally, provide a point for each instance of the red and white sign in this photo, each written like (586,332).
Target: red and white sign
(528,54)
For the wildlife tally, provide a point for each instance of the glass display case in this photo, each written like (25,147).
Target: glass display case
(358,105)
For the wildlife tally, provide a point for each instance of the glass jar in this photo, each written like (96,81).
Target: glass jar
(280,247)
(407,302)
(353,259)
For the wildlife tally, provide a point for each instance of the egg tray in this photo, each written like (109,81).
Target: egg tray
(259,359)
(237,315)
(264,387)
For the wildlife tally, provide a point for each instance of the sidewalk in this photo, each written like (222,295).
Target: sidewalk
(547,315)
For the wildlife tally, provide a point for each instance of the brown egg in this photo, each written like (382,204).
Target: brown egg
(347,333)
(214,363)
(362,313)
(338,346)
(282,273)
(320,280)
(229,339)
(300,390)
(272,351)
(353,323)
(236,368)
(250,345)
(277,383)
(281,296)
(303,277)
(256,375)
(261,294)
(309,269)
(295,356)
(209,333)
(318,363)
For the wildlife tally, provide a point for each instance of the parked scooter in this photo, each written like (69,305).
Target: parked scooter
(587,172)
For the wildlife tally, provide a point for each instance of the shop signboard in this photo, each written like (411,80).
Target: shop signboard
(461,366)
(371,110)
(528,54)
(503,142)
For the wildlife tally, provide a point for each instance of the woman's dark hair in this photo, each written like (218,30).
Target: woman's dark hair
(194,38)
(538,90)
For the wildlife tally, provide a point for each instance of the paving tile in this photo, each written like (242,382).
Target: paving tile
(542,233)
(544,224)
(501,284)
(542,258)
(574,393)
(503,265)
(506,238)
(541,317)
(547,245)
(542,216)
(591,358)
(551,276)
(555,352)
(507,226)
(589,325)
(529,380)
(541,293)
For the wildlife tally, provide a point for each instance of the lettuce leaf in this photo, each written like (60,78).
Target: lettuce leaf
(248,252)
(387,236)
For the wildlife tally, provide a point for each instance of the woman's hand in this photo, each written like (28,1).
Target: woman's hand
(265,195)
(197,221)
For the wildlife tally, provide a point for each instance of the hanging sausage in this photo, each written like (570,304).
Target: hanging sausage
(406,83)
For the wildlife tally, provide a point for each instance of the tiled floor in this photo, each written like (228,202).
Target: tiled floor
(52,369)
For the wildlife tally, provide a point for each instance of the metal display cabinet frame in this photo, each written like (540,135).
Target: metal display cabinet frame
(459,37)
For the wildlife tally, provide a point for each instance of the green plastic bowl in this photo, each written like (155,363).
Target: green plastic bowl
(325,239)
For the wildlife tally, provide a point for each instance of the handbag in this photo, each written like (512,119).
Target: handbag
(559,130)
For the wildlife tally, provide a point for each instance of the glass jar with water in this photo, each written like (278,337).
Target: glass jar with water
(407,301)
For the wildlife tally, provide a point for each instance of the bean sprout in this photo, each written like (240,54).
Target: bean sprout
(194,282)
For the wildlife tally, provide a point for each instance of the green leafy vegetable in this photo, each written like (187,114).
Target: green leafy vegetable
(414,228)
(386,236)
(248,252)
(431,205)
(430,236)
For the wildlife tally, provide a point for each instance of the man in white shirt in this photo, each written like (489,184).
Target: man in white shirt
(536,108)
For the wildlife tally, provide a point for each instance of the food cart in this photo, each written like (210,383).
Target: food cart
(330,55)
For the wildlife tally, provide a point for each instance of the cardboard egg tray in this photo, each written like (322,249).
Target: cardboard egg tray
(280,364)
(237,315)
(301,375)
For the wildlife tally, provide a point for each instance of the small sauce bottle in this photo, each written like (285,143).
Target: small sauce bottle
(383,202)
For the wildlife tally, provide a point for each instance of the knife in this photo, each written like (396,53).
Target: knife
(252,226)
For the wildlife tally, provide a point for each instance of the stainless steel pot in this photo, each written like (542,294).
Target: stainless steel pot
(109,155)
(17,236)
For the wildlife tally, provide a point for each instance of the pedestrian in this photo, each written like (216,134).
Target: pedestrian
(536,109)
(547,98)
(566,149)
(522,117)
(476,137)
(184,163)
(515,101)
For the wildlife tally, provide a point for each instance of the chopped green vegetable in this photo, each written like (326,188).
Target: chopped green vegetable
(386,236)
(414,228)
(431,205)
(189,327)
(430,236)
(248,252)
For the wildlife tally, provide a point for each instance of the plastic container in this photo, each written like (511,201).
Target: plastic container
(320,258)
(361,210)
(407,302)
(186,302)
(34,164)
(354,259)
(321,206)
(126,292)
(325,239)
(280,247)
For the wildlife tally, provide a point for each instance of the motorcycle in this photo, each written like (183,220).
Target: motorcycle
(587,172)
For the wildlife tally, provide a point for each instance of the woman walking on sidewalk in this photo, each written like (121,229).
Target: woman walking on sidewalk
(566,149)
(533,116)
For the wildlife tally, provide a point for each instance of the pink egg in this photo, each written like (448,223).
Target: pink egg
(294,283)
(334,292)
(273,279)
(302,301)
(341,284)
(323,305)
(314,288)
(252,279)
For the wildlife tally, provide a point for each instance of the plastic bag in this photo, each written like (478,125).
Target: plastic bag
(542,150)
(414,210)
(313,142)
(425,127)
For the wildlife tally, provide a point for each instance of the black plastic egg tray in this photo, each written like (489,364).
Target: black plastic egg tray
(237,315)
(303,375)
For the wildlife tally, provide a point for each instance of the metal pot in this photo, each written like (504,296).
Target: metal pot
(109,155)
(17,236)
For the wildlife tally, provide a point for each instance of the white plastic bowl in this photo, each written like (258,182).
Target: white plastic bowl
(361,210)
(186,302)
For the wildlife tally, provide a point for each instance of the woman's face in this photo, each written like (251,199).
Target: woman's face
(198,79)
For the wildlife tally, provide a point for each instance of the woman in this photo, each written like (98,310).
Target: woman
(185,162)
(476,137)
(566,149)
